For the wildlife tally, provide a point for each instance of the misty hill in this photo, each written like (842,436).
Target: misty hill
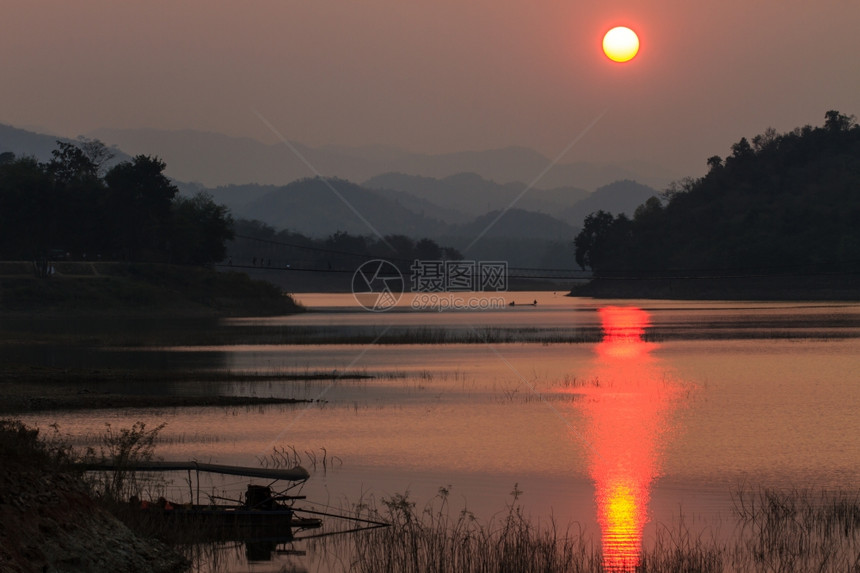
(778,205)
(214,159)
(311,207)
(235,197)
(618,197)
(472,194)
(522,238)
(24,143)
(27,143)
(515,223)
(425,207)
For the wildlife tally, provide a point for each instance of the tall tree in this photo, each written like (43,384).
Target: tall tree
(590,243)
(69,164)
(76,203)
(27,220)
(97,152)
(140,197)
(200,229)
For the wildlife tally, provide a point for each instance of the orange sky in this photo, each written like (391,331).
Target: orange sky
(435,76)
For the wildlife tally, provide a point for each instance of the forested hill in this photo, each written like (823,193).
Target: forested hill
(780,204)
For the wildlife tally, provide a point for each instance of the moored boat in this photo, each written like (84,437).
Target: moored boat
(264,513)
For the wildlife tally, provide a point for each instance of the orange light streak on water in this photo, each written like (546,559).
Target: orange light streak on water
(626,401)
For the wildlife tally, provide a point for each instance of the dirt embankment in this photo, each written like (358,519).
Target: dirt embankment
(49,523)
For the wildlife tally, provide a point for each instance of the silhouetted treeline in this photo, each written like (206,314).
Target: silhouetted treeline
(779,204)
(73,206)
(258,244)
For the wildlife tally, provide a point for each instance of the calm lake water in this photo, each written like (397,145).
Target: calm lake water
(617,416)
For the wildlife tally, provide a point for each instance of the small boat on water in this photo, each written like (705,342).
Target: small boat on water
(264,513)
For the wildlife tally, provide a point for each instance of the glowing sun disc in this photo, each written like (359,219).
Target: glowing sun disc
(620,44)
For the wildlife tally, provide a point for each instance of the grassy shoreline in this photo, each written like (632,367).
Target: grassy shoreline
(770,529)
(136,289)
(51,521)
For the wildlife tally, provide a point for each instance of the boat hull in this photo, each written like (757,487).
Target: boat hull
(224,523)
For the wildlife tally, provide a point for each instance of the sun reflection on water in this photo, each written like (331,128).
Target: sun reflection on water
(622,518)
(627,399)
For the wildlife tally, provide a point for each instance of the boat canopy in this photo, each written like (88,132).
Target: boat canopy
(297,473)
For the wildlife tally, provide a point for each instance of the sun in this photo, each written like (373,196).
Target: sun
(620,44)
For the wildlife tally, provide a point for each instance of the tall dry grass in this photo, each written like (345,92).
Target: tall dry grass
(775,530)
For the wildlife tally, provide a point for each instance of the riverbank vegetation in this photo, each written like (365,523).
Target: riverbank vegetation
(41,494)
(77,206)
(49,520)
(143,289)
(82,234)
(777,215)
(773,530)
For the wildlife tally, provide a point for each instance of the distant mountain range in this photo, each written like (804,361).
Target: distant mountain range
(617,197)
(452,198)
(213,159)
(22,142)
(447,210)
(318,207)
(423,206)
(472,195)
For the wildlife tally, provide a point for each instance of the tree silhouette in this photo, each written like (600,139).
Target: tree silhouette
(591,242)
(835,121)
(199,231)
(787,203)
(139,202)
(97,152)
(133,212)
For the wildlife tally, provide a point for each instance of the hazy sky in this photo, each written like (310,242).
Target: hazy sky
(435,76)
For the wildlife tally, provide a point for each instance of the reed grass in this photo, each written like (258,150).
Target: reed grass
(431,539)
(778,531)
(774,530)
(289,456)
(124,447)
(800,530)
